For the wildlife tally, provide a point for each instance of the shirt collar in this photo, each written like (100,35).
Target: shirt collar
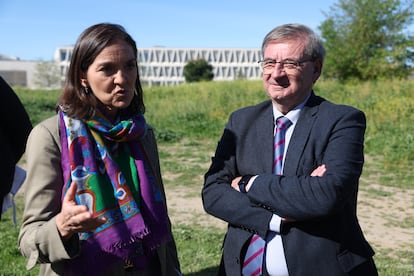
(292,115)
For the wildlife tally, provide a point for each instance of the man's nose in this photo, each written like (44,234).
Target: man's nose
(278,69)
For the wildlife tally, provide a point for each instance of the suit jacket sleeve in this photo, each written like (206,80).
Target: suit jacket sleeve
(219,198)
(15,122)
(14,129)
(327,134)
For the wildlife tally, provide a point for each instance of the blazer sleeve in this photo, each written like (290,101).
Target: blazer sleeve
(39,238)
(336,139)
(14,129)
(220,199)
(15,122)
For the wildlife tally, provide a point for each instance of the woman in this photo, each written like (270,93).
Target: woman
(94,199)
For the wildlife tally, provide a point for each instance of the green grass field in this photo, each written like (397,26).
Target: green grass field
(190,119)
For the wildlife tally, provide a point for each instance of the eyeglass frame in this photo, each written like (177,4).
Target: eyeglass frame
(291,62)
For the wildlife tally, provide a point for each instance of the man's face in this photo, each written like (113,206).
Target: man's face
(288,83)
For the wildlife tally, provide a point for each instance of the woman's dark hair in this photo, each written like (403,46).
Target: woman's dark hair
(73,100)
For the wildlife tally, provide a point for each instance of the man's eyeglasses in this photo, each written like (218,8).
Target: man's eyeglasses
(268,65)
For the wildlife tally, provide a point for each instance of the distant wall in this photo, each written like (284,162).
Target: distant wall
(18,72)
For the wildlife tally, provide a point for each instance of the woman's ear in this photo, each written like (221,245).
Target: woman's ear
(84,80)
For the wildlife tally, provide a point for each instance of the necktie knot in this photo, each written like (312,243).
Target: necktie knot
(283,122)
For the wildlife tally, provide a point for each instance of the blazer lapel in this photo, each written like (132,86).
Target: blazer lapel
(264,133)
(300,135)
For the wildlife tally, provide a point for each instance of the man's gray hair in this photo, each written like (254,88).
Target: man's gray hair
(313,49)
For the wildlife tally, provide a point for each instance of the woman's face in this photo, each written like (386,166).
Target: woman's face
(112,76)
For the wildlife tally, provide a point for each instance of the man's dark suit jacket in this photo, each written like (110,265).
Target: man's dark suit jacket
(326,238)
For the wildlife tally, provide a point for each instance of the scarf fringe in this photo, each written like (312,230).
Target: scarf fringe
(134,238)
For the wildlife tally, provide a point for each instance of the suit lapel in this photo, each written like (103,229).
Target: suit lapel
(300,135)
(264,135)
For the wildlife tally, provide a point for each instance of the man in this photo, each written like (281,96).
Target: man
(14,130)
(302,210)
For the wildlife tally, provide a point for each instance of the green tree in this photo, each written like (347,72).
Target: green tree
(198,70)
(368,39)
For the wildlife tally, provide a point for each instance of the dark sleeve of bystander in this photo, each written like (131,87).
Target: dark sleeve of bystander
(15,127)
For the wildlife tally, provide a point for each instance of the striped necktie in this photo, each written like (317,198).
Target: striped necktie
(253,261)
(282,124)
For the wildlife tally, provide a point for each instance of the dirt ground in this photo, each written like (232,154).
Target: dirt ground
(385,217)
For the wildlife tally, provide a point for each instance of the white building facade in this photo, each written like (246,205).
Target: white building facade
(165,66)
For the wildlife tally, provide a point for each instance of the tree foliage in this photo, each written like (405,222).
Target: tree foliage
(368,39)
(198,70)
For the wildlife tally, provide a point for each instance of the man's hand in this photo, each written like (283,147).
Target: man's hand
(319,171)
(75,218)
(235,183)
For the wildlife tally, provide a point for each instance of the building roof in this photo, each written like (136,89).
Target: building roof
(6,57)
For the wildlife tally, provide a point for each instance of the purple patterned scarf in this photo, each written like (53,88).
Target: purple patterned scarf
(137,221)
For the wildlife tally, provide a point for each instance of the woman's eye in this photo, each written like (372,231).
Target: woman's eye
(131,66)
(108,70)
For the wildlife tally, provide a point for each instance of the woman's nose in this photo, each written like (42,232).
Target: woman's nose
(120,77)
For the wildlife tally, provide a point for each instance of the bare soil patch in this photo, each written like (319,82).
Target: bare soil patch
(387,219)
